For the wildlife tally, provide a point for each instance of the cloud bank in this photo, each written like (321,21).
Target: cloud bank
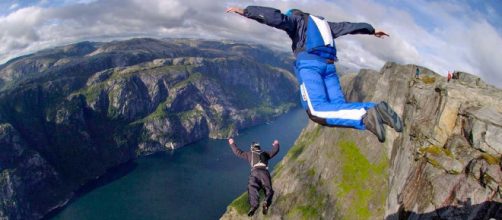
(439,35)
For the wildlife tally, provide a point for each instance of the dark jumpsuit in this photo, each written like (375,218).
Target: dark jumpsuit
(259,176)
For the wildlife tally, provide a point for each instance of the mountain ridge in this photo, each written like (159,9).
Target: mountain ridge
(69,114)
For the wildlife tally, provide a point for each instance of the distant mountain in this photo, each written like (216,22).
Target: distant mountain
(446,164)
(69,114)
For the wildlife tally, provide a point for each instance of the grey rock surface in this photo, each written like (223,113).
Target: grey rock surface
(446,164)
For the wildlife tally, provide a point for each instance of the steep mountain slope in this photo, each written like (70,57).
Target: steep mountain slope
(446,164)
(69,114)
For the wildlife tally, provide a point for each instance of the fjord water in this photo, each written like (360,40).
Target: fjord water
(194,182)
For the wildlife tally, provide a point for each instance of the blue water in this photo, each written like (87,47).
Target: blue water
(195,182)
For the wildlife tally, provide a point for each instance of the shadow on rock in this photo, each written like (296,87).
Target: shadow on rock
(486,211)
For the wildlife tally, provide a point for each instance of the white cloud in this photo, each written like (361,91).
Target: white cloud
(19,29)
(461,40)
(85,1)
(440,35)
(14,6)
(483,56)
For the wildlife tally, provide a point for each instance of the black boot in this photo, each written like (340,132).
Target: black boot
(265,209)
(251,211)
(389,116)
(373,123)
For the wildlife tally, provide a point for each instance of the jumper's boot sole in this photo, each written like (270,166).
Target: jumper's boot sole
(374,124)
(265,209)
(389,116)
(251,211)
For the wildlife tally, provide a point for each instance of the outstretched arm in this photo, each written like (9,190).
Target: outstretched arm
(269,16)
(275,149)
(342,28)
(238,152)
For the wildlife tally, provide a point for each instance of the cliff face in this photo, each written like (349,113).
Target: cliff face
(26,176)
(445,164)
(69,114)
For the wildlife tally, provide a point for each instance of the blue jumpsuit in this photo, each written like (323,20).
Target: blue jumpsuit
(314,48)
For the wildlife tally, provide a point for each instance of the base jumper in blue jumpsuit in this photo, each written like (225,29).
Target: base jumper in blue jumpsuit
(314,47)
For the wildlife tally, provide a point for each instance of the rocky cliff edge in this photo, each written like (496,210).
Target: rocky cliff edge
(446,164)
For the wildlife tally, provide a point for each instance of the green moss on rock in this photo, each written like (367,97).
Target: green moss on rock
(92,92)
(311,172)
(187,115)
(435,150)
(428,79)
(295,151)
(305,212)
(358,178)
(490,159)
(241,204)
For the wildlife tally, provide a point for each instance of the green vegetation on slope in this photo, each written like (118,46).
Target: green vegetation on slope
(314,200)
(92,92)
(358,180)
(241,204)
(359,185)
(306,211)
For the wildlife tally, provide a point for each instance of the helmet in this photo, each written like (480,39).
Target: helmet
(293,11)
(255,146)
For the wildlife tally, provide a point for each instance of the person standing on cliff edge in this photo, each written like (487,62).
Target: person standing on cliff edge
(259,177)
(314,47)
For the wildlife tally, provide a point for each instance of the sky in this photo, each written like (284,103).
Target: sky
(447,35)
